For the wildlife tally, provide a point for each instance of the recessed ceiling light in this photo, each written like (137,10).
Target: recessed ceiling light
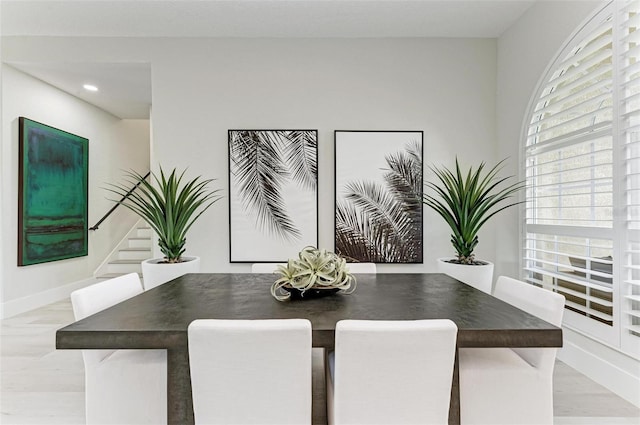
(90,87)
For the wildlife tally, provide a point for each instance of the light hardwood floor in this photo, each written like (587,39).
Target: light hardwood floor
(42,385)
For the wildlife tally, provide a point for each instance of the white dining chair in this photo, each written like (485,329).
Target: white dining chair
(391,372)
(362,268)
(121,386)
(511,385)
(251,371)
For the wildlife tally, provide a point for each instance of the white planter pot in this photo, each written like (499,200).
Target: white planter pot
(155,273)
(480,277)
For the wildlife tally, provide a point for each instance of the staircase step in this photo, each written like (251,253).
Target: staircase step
(143,232)
(125,261)
(124,266)
(139,242)
(128,255)
(134,253)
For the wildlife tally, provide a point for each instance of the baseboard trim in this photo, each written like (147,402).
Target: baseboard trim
(602,365)
(31,302)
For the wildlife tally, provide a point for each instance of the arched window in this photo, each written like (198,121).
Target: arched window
(582,162)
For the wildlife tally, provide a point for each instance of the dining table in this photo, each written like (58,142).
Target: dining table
(159,317)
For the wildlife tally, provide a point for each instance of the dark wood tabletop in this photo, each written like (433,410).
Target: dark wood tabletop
(159,318)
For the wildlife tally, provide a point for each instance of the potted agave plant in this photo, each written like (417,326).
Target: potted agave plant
(170,208)
(466,201)
(314,274)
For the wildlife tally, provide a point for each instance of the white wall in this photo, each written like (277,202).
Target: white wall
(525,51)
(203,87)
(114,145)
(444,87)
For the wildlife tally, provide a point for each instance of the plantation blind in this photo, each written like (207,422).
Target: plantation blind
(569,174)
(582,167)
(629,92)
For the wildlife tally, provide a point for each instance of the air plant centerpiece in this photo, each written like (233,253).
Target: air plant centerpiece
(316,272)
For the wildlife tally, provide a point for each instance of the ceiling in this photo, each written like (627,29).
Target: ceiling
(125,89)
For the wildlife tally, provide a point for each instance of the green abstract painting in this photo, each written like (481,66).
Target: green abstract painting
(53,202)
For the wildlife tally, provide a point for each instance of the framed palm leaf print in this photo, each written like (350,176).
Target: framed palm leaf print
(273,194)
(379,196)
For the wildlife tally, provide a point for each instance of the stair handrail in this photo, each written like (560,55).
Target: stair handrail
(95,226)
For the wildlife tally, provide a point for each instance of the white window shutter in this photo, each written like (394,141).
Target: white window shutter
(629,131)
(582,165)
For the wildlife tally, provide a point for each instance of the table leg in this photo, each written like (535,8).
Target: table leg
(454,405)
(179,401)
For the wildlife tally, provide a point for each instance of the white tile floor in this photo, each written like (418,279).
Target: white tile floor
(40,385)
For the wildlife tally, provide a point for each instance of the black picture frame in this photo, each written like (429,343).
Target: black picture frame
(273,194)
(378,196)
